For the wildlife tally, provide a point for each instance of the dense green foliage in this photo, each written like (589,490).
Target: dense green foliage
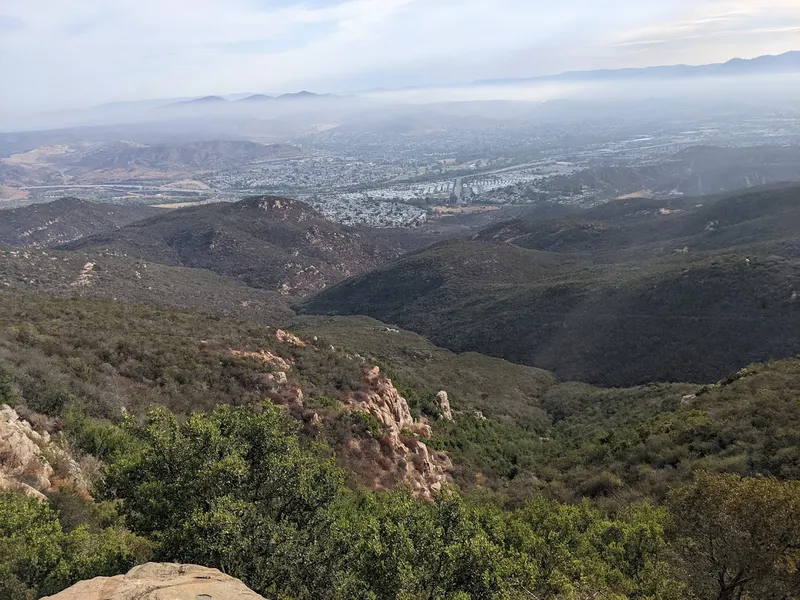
(576,474)
(237,490)
(68,358)
(234,489)
(38,557)
(739,538)
(62,352)
(7,393)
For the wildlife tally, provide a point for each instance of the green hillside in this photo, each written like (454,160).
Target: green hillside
(272,243)
(538,433)
(114,277)
(688,296)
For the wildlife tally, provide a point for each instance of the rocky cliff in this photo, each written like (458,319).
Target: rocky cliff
(404,459)
(27,457)
(161,581)
(397,457)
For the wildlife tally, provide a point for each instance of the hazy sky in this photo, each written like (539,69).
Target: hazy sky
(57,53)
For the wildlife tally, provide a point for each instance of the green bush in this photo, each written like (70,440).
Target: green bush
(8,394)
(37,557)
(366,424)
(738,537)
(101,439)
(233,489)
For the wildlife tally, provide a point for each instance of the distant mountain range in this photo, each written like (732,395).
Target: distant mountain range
(218,100)
(782,63)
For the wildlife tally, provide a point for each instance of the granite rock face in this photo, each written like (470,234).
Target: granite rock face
(161,581)
(406,461)
(28,458)
(444,405)
(23,467)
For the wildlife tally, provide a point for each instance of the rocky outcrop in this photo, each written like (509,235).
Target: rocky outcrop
(264,356)
(26,455)
(398,459)
(85,278)
(444,405)
(381,399)
(22,465)
(282,390)
(161,581)
(404,459)
(289,338)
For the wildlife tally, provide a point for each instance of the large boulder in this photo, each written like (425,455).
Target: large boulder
(444,405)
(162,581)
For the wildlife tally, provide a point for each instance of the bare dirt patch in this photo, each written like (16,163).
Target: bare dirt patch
(8,194)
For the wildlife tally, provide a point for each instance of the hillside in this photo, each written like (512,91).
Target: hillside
(532,433)
(497,388)
(102,275)
(688,296)
(272,243)
(681,176)
(763,220)
(65,220)
(112,393)
(210,155)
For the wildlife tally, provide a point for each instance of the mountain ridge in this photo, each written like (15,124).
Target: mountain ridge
(662,297)
(265,241)
(65,220)
(772,63)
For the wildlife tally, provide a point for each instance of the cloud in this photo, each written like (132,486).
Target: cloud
(749,21)
(56,54)
(9,23)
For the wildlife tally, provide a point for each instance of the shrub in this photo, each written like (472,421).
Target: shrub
(233,489)
(37,557)
(8,394)
(366,424)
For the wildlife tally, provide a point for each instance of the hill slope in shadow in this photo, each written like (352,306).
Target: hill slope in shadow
(612,300)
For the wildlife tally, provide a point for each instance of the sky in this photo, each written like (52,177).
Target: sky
(56,54)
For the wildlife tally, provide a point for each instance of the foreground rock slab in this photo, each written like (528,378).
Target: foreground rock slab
(161,581)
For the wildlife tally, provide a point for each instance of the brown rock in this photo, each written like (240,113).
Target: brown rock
(161,581)
(279,378)
(405,460)
(289,338)
(264,356)
(23,463)
(383,401)
(444,405)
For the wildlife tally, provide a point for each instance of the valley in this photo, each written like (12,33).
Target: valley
(622,294)
(347,347)
(384,165)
